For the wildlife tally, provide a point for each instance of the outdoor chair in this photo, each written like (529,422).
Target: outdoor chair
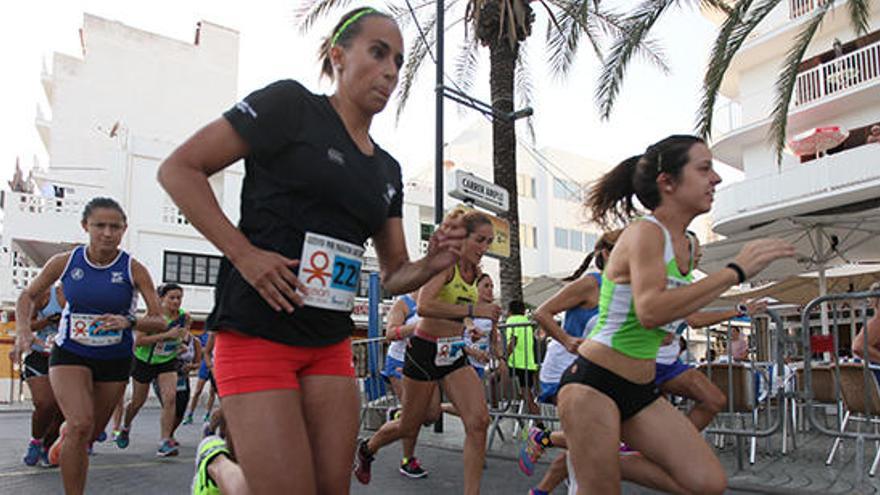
(860,407)
(741,399)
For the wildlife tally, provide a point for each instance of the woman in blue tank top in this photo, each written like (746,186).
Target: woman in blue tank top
(91,359)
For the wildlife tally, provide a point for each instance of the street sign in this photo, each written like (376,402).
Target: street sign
(482,193)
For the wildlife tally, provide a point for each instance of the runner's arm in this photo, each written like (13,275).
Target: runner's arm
(25,305)
(394,328)
(581,292)
(399,274)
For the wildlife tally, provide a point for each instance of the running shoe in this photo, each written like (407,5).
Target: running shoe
(101,437)
(411,468)
(535,491)
(114,435)
(44,459)
(167,449)
(207,418)
(174,442)
(362,463)
(626,450)
(54,455)
(34,450)
(188,419)
(122,438)
(391,414)
(532,450)
(209,448)
(90,450)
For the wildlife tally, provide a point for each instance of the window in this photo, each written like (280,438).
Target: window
(528,236)
(590,241)
(560,238)
(567,190)
(426,230)
(190,269)
(577,240)
(525,186)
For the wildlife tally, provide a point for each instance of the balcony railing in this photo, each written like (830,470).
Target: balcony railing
(37,204)
(838,75)
(838,173)
(800,8)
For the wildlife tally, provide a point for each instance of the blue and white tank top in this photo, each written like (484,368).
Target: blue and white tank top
(397,348)
(48,332)
(484,325)
(92,291)
(577,317)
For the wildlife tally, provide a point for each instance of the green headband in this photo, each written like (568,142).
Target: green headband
(351,20)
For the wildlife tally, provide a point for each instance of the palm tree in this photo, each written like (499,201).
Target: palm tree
(743,16)
(502,26)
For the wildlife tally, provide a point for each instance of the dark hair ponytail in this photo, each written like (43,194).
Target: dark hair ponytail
(611,200)
(348,27)
(607,241)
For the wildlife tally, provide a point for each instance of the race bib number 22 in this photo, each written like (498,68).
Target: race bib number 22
(331,269)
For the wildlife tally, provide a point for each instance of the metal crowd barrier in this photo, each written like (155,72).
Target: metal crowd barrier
(741,381)
(861,398)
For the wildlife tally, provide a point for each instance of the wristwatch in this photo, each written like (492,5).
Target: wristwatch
(741,309)
(132,320)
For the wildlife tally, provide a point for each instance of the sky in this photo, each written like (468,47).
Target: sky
(651,105)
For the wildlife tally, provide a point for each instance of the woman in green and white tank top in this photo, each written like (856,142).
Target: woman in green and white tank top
(607,395)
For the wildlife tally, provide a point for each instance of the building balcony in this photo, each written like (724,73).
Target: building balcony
(41,218)
(44,127)
(859,67)
(844,178)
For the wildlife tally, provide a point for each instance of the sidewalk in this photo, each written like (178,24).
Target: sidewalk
(801,472)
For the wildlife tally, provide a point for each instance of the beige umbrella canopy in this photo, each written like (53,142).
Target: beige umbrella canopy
(802,289)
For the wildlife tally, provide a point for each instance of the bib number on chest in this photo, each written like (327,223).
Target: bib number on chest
(85,330)
(331,269)
(449,349)
(166,348)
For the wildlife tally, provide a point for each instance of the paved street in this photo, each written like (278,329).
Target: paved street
(136,470)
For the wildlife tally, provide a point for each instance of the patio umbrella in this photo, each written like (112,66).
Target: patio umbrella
(803,288)
(821,242)
(817,140)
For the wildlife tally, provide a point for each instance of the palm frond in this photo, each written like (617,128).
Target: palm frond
(466,64)
(421,45)
(788,76)
(649,49)
(524,90)
(723,51)
(635,29)
(859,15)
(312,10)
(563,37)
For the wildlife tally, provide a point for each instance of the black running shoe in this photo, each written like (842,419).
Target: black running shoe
(411,468)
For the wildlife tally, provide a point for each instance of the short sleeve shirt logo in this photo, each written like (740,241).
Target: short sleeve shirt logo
(77,273)
(116,278)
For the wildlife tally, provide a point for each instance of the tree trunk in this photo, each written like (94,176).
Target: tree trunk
(502,59)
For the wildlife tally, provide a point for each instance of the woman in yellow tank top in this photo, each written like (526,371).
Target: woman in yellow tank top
(436,354)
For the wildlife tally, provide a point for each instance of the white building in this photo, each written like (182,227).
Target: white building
(841,89)
(114,113)
(555,235)
(118,110)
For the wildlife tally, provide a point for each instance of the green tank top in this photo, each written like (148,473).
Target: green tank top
(523,355)
(164,351)
(619,328)
(457,291)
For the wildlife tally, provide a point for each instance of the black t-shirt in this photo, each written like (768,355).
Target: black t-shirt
(304,174)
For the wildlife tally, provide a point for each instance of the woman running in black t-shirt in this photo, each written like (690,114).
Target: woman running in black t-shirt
(316,187)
